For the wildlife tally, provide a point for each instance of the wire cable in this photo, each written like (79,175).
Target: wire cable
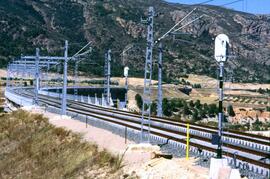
(231,3)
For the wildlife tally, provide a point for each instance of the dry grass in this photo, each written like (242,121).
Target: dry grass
(30,147)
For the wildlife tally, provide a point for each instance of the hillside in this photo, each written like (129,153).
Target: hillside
(116,24)
(31,147)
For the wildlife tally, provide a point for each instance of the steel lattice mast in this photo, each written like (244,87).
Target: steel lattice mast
(36,76)
(146,108)
(64,92)
(160,93)
(107,76)
(59,79)
(76,80)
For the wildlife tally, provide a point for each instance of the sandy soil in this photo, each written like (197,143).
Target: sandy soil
(208,82)
(205,81)
(132,81)
(175,168)
(3,73)
(138,160)
(242,92)
(248,114)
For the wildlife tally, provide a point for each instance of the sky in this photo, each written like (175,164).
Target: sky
(250,6)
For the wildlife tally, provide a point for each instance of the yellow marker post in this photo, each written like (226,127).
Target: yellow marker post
(187,147)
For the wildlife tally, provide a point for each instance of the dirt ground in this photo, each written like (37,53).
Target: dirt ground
(138,162)
(3,73)
(208,82)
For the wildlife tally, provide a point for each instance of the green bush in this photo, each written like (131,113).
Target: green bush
(196,86)
(195,115)
(213,109)
(186,110)
(230,111)
(139,100)
(167,110)
(198,104)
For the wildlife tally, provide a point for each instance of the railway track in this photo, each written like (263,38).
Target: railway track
(132,121)
(228,133)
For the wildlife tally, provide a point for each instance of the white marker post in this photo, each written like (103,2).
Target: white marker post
(221,55)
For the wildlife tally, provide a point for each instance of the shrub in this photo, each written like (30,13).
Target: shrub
(40,149)
(230,111)
(139,100)
(195,115)
(213,110)
(186,110)
(196,86)
(198,104)
(167,110)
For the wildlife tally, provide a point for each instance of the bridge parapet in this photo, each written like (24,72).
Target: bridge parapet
(18,99)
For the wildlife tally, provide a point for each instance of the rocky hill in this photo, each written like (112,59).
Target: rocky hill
(116,24)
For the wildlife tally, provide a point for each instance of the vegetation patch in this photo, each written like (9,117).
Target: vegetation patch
(30,147)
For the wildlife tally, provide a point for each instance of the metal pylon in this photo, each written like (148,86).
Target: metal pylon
(58,78)
(64,90)
(36,77)
(107,75)
(47,76)
(160,94)
(76,80)
(146,108)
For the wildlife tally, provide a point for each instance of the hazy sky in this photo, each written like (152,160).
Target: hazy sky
(251,6)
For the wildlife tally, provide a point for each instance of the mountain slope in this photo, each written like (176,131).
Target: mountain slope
(27,24)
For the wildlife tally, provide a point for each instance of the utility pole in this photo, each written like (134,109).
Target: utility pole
(221,55)
(107,75)
(58,78)
(146,108)
(76,80)
(64,91)
(36,76)
(160,93)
